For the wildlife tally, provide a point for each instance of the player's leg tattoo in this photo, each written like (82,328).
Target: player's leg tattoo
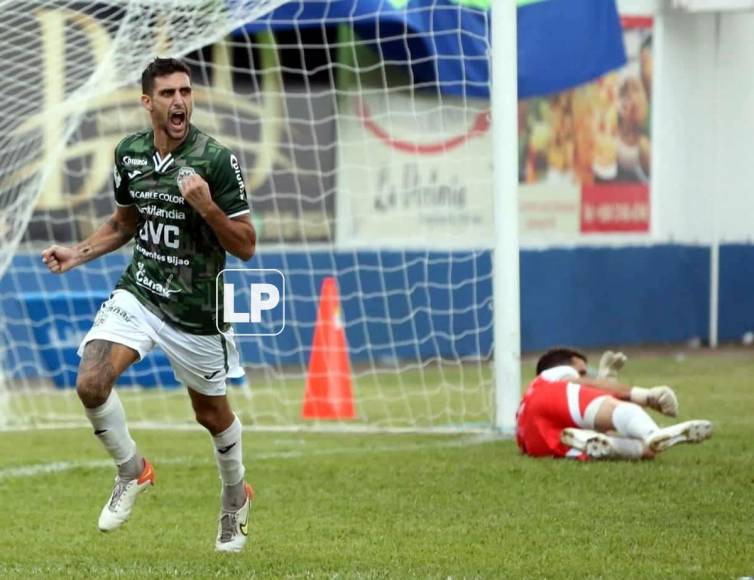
(96,374)
(102,363)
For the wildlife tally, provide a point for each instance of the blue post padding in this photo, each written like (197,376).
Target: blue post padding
(736,292)
(591,297)
(59,321)
(47,315)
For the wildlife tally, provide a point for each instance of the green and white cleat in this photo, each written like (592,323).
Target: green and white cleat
(122,499)
(694,431)
(232,529)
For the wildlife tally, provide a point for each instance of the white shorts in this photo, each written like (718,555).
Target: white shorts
(200,362)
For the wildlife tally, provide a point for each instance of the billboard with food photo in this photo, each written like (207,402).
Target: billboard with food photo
(585,154)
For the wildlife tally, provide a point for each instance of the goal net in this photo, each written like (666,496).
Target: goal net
(362,130)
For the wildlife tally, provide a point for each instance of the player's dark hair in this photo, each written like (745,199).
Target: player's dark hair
(161,67)
(556,357)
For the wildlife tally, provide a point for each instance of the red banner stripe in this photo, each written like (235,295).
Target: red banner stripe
(637,21)
(480,126)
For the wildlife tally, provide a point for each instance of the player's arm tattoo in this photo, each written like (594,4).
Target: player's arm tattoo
(124,233)
(110,236)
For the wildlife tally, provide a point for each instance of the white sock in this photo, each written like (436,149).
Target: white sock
(109,422)
(627,448)
(632,421)
(229,455)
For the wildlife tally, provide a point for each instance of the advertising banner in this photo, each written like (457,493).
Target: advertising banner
(417,170)
(414,172)
(585,154)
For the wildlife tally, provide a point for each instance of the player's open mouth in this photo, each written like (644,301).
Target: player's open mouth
(178,120)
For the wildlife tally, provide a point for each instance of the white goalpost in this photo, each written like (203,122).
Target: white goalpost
(370,177)
(506,282)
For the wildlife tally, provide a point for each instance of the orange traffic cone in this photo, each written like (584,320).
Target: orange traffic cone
(329,391)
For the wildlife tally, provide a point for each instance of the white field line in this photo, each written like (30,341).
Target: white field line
(38,469)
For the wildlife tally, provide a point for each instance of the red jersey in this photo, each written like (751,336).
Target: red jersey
(550,404)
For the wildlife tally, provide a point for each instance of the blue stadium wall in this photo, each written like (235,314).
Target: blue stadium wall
(587,297)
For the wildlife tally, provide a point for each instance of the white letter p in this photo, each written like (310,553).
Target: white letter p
(263,297)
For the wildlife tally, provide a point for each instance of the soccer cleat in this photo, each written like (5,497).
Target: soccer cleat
(595,445)
(687,432)
(121,502)
(232,528)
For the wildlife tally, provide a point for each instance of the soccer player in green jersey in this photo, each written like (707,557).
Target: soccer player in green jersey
(181,197)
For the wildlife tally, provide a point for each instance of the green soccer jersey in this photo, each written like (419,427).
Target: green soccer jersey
(177,256)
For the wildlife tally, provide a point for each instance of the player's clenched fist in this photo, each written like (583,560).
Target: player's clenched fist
(196,192)
(59,259)
(662,399)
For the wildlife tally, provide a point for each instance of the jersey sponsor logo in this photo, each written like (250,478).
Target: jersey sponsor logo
(134,173)
(157,195)
(161,212)
(239,177)
(184,173)
(134,161)
(157,257)
(161,234)
(109,309)
(116,177)
(156,287)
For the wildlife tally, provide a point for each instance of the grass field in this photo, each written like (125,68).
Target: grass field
(448,397)
(397,506)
